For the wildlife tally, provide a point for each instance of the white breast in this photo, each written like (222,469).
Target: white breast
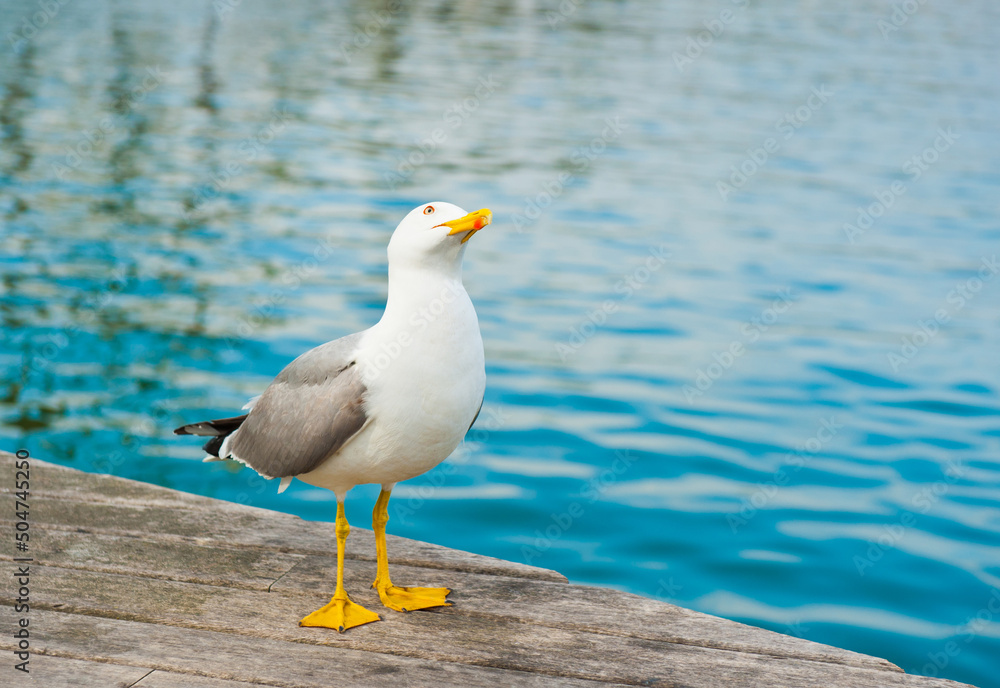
(423,366)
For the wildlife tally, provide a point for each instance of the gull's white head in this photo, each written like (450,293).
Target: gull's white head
(433,235)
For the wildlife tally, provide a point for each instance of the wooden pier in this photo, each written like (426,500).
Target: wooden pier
(137,585)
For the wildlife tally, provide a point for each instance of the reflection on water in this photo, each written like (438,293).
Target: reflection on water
(739,303)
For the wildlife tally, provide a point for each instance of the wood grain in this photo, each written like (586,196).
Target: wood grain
(135,584)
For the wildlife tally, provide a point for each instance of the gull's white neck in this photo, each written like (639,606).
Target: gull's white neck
(415,290)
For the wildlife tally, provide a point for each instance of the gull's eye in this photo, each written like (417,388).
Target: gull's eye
(429,210)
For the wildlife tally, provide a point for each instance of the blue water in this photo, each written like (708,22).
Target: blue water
(717,395)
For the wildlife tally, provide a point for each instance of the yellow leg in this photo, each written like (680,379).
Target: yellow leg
(340,613)
(400,599)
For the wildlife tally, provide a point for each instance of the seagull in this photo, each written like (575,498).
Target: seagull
(378,406)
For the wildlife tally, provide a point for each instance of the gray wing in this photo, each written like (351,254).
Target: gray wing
(313,407)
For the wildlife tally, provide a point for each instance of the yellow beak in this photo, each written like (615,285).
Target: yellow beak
(471,223)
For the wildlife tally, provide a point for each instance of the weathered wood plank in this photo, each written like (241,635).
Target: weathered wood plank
(59,672)
(242,567)
(545,603)
(114,505)
(581,607)
(207,593)
(442,637)
(236,525)
(259,661)
(69,483)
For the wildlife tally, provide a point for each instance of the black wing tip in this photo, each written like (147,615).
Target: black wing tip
(203,428)
(220,427)
(213,446)
(219,430)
